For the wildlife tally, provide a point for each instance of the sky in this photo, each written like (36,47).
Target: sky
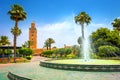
(55,19)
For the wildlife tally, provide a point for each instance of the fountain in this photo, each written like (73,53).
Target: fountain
(84,64)
(86,47)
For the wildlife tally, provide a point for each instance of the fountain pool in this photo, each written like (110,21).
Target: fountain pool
(81,65)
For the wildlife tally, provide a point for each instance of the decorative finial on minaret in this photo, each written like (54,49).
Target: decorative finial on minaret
(33,24)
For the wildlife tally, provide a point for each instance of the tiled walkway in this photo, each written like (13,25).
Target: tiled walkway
(34,71)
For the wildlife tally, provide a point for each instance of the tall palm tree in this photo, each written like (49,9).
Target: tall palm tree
(116,24)
(82,18)
(4,41)
(16,32)
(48,43)
(17,14)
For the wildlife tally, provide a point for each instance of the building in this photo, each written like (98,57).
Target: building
(33,39)
(33,36)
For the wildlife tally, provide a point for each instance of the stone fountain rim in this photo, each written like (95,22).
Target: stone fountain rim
(81,67)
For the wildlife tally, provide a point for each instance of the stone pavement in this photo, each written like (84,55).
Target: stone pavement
(37,58)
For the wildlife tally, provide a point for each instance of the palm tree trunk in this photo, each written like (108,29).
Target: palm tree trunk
(82,30)
(15,37)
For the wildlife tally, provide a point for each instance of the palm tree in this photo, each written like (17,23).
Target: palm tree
(116,24)
(16,14)
(4,41)
(16,32)
(27,44)
(81,19)
(48,43)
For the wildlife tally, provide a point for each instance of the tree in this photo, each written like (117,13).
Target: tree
(26,52)
(47,53)
(116,24)
(82,19)
(48,43)
(16,32)
(17,14)
(27,44)
(99,38)
(4,41)
(103,37)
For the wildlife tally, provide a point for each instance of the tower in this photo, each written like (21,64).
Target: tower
(33,36)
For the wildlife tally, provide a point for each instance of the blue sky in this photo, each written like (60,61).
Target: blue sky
(55,18)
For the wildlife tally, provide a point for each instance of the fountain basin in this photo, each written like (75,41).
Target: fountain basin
(81,65)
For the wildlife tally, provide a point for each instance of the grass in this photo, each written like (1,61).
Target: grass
(92,61)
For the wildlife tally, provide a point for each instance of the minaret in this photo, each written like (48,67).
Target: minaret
(33,36)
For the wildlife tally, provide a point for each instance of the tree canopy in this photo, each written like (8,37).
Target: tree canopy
(116,24)
(48,43)
(105,36)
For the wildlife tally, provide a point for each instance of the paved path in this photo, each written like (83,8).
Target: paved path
(34,59)
(37,58)
(4,65)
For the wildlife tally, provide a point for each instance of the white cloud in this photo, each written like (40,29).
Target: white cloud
(62,32)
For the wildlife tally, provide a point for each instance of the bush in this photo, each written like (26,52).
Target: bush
(8,51)
(26,51)
(47,53)
(94,56)
(29,57)
(71,56)
(108,51)
(62,52)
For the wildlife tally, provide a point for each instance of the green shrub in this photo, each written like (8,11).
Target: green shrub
(62,52)
(29,57)
(8,51)
(108,51)
(94,56)
(71,56)
(26,51)
(47,53)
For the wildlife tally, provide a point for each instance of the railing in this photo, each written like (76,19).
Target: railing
(12,76)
